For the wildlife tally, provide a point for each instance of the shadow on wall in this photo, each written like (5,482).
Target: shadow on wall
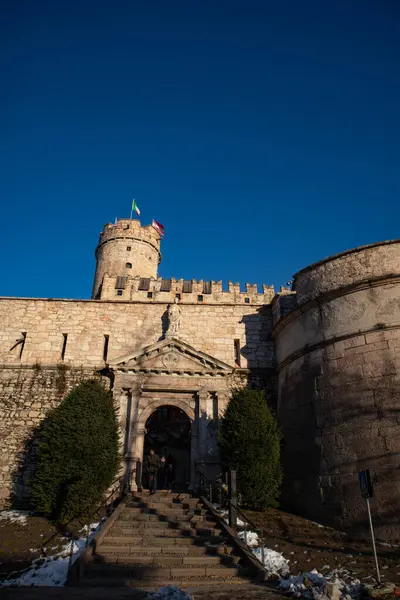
(259,353)
(337,421)
(22,475)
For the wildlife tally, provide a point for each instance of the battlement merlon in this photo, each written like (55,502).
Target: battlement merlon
(130,229)
(186,291)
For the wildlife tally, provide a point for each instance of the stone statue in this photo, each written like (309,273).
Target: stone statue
(174,319)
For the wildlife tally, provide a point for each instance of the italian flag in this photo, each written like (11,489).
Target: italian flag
(135,208)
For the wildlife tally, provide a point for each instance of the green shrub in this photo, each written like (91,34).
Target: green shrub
(250,443)
(77,456)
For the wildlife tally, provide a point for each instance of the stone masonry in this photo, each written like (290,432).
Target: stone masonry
(331,343)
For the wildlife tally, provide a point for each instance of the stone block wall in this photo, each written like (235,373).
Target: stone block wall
(129,325)
(27,395)
(214,294)
(339,390)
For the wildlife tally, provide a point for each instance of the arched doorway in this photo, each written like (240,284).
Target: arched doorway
(168,431)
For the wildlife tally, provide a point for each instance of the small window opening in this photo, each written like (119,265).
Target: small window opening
(105,347)
(128,266)
(23,339)
(237,352)
(247,300)
(178,296)
(149,294)
(64,345)
(187,286)
(165,285)
(119,292)
(120,283)
(144,284)
(129,248)
(199,298)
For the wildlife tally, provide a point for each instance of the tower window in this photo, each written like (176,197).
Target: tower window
(178,296)
(247,300)
(149,294)
(187,286)
(165,285)
(128,266)
(199,298)
(105,347)
(129,248)
(144,284)
(120,283)
(64,345)
(119,292)
(236,347)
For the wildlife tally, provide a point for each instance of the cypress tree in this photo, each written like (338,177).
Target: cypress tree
(77,455)
(250,443)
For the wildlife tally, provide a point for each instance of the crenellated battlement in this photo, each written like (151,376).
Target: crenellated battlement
(185,291)
(129,229)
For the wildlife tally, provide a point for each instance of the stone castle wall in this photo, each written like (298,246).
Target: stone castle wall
(200,292)
(27,395)
(33,383)
(129,325)
(338,354)
(126,249)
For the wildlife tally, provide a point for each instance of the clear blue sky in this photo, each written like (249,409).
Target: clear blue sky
(263,135)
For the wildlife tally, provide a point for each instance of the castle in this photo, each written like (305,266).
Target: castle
(327,350)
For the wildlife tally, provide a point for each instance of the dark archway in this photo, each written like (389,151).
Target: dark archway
(168,431)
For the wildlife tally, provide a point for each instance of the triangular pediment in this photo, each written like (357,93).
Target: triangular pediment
(170,355)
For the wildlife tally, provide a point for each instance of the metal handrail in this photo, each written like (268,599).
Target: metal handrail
(254,527)
(248,524)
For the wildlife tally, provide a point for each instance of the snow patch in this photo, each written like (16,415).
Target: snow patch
(53,570)
(274,562)
(320,587)
(169,592)
(14,516)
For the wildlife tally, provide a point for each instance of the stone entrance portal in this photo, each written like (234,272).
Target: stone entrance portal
(171,374)
(168,431)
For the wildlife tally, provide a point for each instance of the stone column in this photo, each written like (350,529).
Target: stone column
(139,446)
(134,453)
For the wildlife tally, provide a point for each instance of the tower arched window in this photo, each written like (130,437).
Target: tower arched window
(128,266)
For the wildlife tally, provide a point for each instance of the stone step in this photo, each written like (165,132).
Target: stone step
(157,582)
(112,546)
(156,541)
(129,518)
(164,507)
(161,559)
(164,510)
(148,571)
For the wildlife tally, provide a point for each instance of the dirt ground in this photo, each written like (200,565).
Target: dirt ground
(308,545)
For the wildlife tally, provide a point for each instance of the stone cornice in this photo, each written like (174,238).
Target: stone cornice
(332,295)
(327,342)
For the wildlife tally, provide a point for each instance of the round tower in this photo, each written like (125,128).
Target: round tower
(126,249)
(339,388)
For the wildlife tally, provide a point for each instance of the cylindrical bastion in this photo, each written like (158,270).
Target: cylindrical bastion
(338,354)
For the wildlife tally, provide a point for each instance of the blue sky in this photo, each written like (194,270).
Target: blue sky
(263,135)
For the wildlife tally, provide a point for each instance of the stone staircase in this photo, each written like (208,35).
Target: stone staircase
(166,538)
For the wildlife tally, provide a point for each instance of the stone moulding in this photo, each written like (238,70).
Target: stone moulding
(327,342)
(332,295)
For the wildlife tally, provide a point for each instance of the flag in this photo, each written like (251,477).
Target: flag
(135,208)
(158,227)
